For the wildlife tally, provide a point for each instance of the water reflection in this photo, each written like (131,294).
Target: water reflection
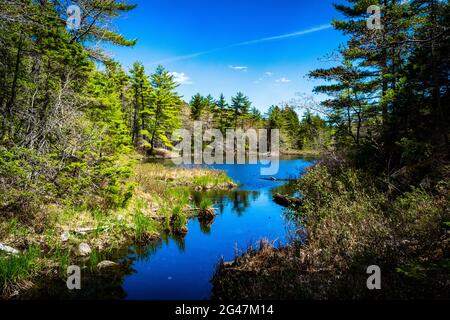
(180,267)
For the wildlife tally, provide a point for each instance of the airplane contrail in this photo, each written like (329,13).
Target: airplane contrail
(245,43)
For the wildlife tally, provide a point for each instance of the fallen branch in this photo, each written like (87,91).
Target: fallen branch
(8,249)
(287,201)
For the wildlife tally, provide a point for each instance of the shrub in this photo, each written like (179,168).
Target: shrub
(343,217)
(348,218)
(418,215)
(29,179)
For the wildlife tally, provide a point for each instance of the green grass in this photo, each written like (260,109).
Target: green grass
(210,181)
(14,268)
(178,195)
(179,219)
(205,204)
(143,225)
(15,228)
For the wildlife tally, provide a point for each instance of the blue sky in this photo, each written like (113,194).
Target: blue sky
(263,48)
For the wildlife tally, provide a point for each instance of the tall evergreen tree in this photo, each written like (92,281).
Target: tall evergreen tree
(141,92)
(197,105)
(240,105)
(164,108)
(222,114)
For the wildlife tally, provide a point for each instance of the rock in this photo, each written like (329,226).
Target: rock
(207,214)
(84,249)
(65,236)
(106,264)
(181,231)
(8,250)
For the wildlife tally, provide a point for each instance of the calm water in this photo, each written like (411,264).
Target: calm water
(181,269)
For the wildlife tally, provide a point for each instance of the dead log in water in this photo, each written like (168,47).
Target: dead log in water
(278,179)
(287,201)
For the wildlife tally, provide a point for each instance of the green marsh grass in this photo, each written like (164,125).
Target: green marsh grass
(14,268)
(205,204)
(179,220)
(143,226)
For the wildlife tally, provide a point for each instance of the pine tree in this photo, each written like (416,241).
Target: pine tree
(255,118)
(388,91)
(197,105)
(222,114)
(164,108)
(105,109)
(141,92)
(240,104)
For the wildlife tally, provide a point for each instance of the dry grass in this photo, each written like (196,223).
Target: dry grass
(350,224)
(154,177)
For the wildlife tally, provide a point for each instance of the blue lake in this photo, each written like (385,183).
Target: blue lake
(182,268)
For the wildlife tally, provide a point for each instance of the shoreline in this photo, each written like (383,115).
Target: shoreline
(160,205)
(350,224)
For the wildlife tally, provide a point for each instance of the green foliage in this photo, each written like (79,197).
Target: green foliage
(418,215)
(205,204)
(104,93)
(387,94)
(197,104)
(311,133)
(141,94)
(164,108)
(64,124)
(179,220)
(240,106)
(143,225)
(15,268)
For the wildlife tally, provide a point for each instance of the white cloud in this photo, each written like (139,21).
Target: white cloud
(268,74)
(241,68)
(181,78)
(246,43)
(283,80)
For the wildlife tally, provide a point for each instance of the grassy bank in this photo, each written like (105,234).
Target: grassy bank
(49,241)
(352,220)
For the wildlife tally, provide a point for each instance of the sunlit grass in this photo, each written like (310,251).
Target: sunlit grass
(205,204)
(18,267)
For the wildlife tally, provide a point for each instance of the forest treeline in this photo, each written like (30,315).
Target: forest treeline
(308,133)
(71,116)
